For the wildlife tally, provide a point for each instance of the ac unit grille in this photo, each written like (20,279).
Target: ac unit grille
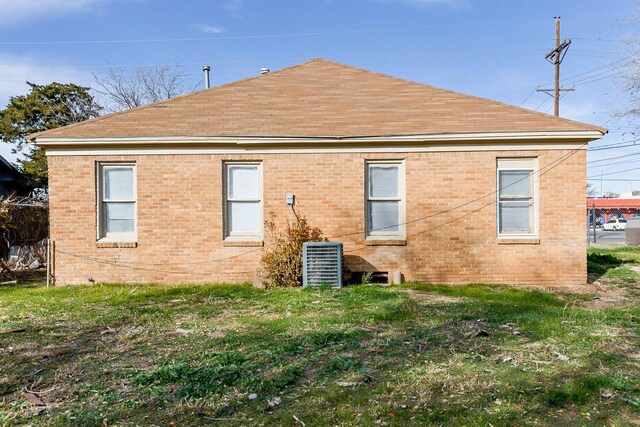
(322,264)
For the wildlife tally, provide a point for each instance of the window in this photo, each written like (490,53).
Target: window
(385,200)
(243,201)
(517,188)
(117,201)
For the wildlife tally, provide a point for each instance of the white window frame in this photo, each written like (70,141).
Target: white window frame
(401,233)
(101,220)
(529,164)
(226,202)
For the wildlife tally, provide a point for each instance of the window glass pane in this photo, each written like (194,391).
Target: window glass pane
(383,181)
(244,217)
(515,183)
(120,226)
(243,182)
(119,217)
(515,217)
(118,183)
(383,216)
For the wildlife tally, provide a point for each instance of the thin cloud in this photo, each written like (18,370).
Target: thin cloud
(18,11)
(210,29)
(233,6)
(17,70)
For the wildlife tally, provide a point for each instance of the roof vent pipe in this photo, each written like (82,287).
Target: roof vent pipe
(207,82)
(264,70)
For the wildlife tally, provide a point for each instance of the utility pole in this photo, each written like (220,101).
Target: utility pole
(555,57)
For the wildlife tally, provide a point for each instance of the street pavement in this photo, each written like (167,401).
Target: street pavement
(609,237)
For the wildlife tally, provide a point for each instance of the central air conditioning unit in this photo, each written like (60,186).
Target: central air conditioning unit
(322,264)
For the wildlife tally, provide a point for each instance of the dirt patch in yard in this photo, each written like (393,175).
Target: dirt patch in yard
(430,297)
(608,296)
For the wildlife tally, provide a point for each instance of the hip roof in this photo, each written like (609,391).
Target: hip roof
(319,98)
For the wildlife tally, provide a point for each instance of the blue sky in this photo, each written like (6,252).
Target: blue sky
(490,48)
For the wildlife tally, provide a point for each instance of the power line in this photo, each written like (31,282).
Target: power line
(614,157)
(528,96)
(596,51)
(568,80)
(562,159)
(596,80)
(614,173)
(543,102)
(462,58)
(624,125)
(289,58)
(550,166)
(626,60)
(132,266)
(210,261)
(605,72)
(614,179)
(561,96)
(270,60)
(615,146)
(623,162)
(449,221)
(601,56)
(246,37)
(598,40)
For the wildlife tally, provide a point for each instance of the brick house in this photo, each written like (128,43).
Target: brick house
(441,186)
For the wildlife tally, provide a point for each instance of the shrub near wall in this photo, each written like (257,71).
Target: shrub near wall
(282,261)
(23,222)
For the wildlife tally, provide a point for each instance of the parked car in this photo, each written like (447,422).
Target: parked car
(615,224)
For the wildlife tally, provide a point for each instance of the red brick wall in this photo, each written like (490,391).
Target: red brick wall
(180,218)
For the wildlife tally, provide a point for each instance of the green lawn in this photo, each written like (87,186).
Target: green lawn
(108,355)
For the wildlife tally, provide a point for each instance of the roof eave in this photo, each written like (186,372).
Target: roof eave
(575,135)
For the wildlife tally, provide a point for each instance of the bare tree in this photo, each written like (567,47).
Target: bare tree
(628,72)
(631,84)
(123,90)
(162,83)
(592,191)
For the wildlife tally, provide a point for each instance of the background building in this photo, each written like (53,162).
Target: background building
(627,206)
(11,180)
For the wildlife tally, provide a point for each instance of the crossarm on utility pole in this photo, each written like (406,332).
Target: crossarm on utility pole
(555,57)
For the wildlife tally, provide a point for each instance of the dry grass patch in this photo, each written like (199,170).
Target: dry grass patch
(363,355)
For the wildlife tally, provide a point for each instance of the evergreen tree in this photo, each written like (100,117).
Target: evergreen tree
(44,107)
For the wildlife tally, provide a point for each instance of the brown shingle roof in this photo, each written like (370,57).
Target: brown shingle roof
(318,98)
